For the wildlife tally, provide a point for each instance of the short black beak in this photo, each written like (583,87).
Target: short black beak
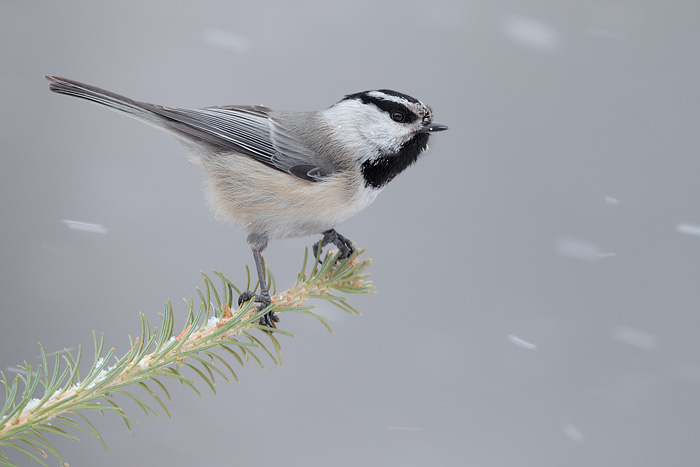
(433,126)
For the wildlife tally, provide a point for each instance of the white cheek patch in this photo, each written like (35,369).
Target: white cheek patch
(365,130)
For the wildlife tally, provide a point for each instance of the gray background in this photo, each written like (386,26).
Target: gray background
(538,270)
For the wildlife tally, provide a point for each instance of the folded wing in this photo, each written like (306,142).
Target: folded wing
(247,130)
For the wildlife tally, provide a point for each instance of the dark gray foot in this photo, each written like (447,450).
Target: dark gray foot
(261,302)
(342,243)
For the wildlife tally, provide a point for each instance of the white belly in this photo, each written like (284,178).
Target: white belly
(277,205)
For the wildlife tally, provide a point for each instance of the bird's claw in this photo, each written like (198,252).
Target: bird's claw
(270,318)
(343,244)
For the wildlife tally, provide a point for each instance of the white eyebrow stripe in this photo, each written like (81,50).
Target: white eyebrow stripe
(388,97)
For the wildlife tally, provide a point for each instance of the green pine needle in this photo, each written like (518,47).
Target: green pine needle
(52,399)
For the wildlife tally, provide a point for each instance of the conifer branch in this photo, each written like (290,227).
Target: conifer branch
(53,399)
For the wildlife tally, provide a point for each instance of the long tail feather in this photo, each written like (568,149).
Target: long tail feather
(109,99)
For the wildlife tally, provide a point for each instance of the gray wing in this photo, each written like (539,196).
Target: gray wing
(247,130)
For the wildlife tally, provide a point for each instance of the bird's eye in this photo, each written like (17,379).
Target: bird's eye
(398,117)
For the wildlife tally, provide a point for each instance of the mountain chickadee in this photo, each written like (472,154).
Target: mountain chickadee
(280,174)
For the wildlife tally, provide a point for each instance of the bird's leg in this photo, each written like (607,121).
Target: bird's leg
(331,236)
(270,318)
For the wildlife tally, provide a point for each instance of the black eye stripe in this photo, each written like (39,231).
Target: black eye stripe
(387,106)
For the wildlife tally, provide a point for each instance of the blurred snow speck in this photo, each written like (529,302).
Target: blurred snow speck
(573,433)
(522,343)
(635,338)
(85,226)
(531,33)
(578,250)
(689,229)
(225,40)
(51,354)
(611,200)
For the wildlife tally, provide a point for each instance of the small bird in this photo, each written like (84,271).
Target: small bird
(278,174)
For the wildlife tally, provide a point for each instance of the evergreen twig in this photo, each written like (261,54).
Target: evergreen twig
(52,399)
